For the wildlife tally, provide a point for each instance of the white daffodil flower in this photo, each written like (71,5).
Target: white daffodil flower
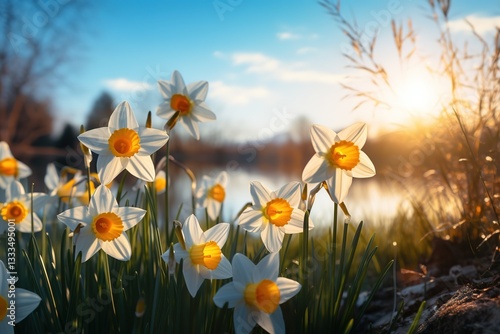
(10,168)
(212,193)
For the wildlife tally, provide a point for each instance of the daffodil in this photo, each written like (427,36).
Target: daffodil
(212,193)
(24,301)
(274,213)
(17,208)
(102,225)
(201,253)
(338,159)
(256,293)
(160,183)
(184,103)
(123,144)
(10,167)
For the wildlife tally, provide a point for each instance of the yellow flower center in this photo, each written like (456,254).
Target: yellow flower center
(181,103)
(278,211)
(65,192)
(84,198)
(107,226)
(343,155)
(15,211)
(208,254)
(8,166)
(124,143)
(264,295)
(3,308)
(217,192)
(160,184)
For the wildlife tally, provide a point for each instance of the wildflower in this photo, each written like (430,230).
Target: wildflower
(256,293)
(102,225)
(17,208)
(201,253)
(184,103)
(338,159)
(25,302)
(212,193)
(10,168)
(274,213)
(160,183)
(124,145)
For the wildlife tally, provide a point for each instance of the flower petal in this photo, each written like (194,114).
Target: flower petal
(22,170)
(178,83)
(102,201)
(251,220)
(191,126)
(355,133)
(288,288)
(317,170)
(213,208)
(118,248)
(222,179)
(86,243)
(164,110)
(322,138)
(243,270)
(272,323)
(198,91)
(217,233)
(192,231)
(224,269)
(151,140)
(267,268)
(201,113)
(338,186)
(15,190)
(166,89)
(364,168)
(142,167)
(272,237)
(130,216)
(96,140)
(260,194)
(26,302)
(109,166)
(51,178)
(296,223)
(122,117)
(244,318)
(192,278)
(291,192)
(227,294)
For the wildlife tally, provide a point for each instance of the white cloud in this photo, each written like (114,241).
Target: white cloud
(481,24)
(219,54)
(125,85)
(262,64)
(287,36)
(236,95)
(306,50)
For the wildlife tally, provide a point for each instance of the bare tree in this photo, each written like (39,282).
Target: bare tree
(37,39)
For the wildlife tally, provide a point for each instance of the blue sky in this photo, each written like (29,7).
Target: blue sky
(264,60)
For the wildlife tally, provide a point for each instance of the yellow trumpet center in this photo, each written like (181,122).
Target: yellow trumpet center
(344,155)
(181,103)
(107,226)
(15,211)
(66,191)
(160,184)
(278,211)
(8,166)
(124,143)
(264,295)
(217,192)
(208,254)
(3,308)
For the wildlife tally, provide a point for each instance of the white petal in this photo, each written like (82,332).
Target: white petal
(108,167)
(213,208)
(272,237)
(191,126)
(181,254)
(26,302)
(364,168)
(222,179)
(291,192)
(86,243)
(192,231)
(244,319)
(122,117)
(96,140)
(243,270)
(192,278)
(4,287)
(339,185)
(130,216)
(322,138)
(317,170)
(224,269)
(51,178)
(288,288)
(272,323)
(178,83)
(164,110)
(251,220)
(296,223)
(25,225)
(355,133)
(5,151)
(102,201)
(166,89)
(260,194)
(151,140)
(5,328)
(14,191)
(201,113)
(268,268)
(118,248)
(198,91)
(22,170)
(142,167)
(217,233)
(227,294)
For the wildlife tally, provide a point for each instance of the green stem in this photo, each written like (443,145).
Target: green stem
(167,155)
